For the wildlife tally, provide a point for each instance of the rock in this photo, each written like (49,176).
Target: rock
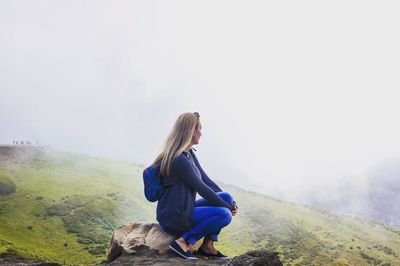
(7,187)
(257,257)
(127,237)
(145,256)
(130,236)
(147,244)
(25,262)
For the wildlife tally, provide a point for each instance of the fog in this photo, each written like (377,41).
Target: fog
(293,96)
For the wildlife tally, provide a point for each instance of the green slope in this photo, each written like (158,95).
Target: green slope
(307,236)
(66,206)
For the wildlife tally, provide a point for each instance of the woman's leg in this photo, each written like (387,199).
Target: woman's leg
(207,221)
(224,195)
(203,202)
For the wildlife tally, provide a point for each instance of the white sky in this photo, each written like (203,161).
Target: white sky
(291,94)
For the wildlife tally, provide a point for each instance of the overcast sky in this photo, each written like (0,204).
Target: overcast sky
(292,94)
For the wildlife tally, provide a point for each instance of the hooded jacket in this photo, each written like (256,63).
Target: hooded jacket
(175,207)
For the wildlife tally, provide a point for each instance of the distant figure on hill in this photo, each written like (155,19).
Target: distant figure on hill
(178,211)
(22,142)
(16,142)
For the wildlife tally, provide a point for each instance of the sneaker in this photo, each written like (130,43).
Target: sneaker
(178,250)
(219,255)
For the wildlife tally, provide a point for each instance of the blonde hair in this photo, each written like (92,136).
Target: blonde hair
(177,141)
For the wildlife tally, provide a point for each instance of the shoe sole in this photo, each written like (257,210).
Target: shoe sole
(215,258)
(210,256)
(218,258)
(180,254)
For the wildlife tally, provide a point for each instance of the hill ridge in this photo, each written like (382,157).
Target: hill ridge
(301,235)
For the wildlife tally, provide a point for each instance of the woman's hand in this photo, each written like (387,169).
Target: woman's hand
(234,210)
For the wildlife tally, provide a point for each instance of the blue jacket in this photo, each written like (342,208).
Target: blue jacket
(175,208)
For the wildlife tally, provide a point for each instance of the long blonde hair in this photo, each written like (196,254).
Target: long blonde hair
(177,141)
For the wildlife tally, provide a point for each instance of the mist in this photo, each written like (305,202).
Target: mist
(294,99)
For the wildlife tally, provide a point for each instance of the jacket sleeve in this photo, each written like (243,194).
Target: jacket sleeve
(183,170)
(205,177)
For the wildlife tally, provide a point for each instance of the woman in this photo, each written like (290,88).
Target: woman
(178,212)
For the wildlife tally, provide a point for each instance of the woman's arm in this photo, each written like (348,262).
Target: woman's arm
(204,176)
(183,169)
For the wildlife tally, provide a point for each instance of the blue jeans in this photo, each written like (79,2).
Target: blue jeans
(208,219)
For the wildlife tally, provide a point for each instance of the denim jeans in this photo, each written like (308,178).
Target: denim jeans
(208,219)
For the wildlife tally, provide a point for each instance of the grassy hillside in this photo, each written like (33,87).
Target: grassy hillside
(65,207)
(308,236)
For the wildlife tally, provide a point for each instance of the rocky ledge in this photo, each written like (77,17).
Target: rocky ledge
(25,262)
(147,244)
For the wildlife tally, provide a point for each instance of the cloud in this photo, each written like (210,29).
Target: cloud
(290,96)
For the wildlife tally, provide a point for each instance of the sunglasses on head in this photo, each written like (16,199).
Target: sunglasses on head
(197,114)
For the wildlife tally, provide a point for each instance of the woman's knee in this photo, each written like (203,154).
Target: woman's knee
(225,196)
(225,216)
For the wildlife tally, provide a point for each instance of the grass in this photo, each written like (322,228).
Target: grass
(65,207)
(308,236)
(31,222)
(6,186)
(32,235)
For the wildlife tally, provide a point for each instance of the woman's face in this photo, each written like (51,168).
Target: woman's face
(196,134)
